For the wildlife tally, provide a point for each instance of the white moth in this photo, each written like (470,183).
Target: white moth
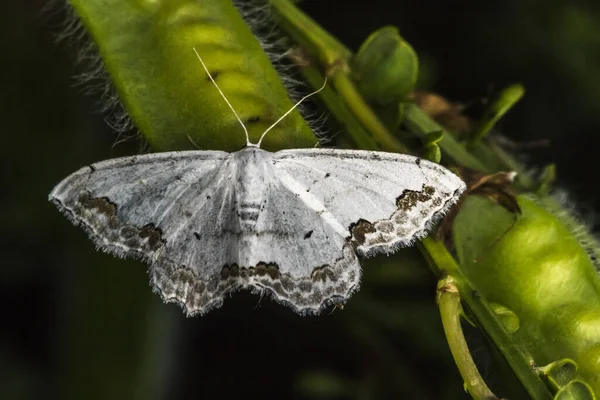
(289,223)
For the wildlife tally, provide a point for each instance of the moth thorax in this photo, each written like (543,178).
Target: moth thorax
(251,191)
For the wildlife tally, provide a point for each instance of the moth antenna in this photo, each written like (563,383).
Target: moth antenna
(194,143)
(290,110)
(248,143)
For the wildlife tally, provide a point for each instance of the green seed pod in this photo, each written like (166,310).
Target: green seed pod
(534,265)
(385,68)
(147,49)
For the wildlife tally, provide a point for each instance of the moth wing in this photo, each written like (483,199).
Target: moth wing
(383,200)
(129,205)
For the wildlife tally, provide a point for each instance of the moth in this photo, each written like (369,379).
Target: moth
(291,223)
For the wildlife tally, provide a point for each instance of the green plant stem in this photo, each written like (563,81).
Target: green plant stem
(523,180)
(308,34)
(334,57)
(448,300)
(442,263)
(416,120)
(363,112)
(338,108)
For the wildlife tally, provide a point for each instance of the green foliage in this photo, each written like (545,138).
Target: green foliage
(431,149)
(533,265)
(575,390)
(560,373)
(498,107)
(385,68)
(147,49)
(385,71)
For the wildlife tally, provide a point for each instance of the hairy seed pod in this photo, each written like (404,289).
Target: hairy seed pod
(534,265)
(147,49)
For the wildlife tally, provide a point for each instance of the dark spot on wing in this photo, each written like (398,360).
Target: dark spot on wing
(308,234)
(260,269)
(234,271)
(253,120)
(153,234)
(305,286)
(214,75)
(101,204)
(92,168)
(410,198)
(128,232)
(361,228)
(323,273)
(197,235)
(418,161)
(327,175)
(208,197)
(225,272)
(273,270)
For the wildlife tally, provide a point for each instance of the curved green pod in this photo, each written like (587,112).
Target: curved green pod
(147,48)
(534,265)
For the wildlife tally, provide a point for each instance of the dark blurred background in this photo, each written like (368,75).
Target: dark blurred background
(79,324)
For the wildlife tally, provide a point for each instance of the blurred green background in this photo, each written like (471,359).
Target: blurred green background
(78,324)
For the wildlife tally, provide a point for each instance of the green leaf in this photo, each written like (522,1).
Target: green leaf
(497,108)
